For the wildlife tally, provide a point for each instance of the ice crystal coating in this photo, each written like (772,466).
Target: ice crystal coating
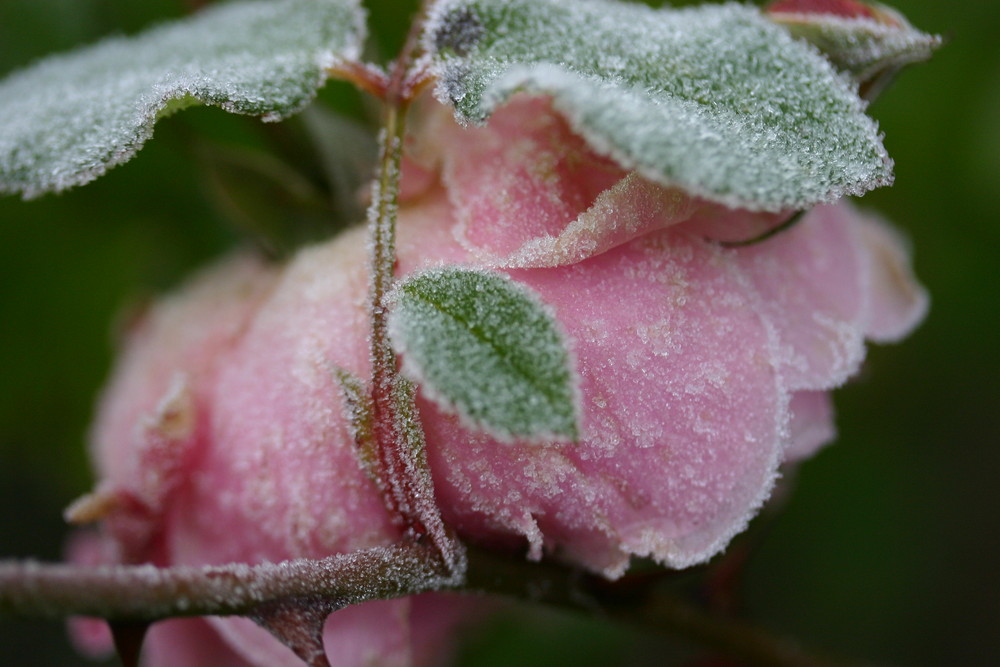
(715,99)
(863,40)
(66,120)
(528,192)
(485,347)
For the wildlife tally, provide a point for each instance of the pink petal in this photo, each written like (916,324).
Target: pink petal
(172,349)
(629,209)
(374,633)
(843,8)
(91,637)
(811,285)
(683,417)
(719,223)
(527,191)
(898,303)
(278,468)
(152,415)
(811,425)
(189,642)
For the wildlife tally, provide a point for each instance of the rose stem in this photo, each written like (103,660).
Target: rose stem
(398,435)
(144,592)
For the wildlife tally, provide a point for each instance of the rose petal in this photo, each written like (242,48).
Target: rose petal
(898,302)
(627,210)
(523,176)
(152,415)
(176,341)
(91,637)
(374,633)
(192,643)
(843,8)
(719,223)
(811,285)
(811,425)
(279,468)
(683,416)
(527,191)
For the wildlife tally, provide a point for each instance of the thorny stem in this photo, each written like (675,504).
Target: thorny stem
(147,592)
(134,593)
(399,439)
(382,235)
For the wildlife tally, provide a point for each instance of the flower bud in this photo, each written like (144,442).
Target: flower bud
(223,435)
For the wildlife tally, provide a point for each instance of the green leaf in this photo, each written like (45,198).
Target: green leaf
(715,99)
(485,347)
(68,119)
(869,48)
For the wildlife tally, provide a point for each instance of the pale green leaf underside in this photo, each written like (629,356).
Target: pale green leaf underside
(715,99)
(67,119)
(485,347)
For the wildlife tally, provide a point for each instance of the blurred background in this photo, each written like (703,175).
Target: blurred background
(885,551)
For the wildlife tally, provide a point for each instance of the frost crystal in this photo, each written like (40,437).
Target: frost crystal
(715,99)
(68,119)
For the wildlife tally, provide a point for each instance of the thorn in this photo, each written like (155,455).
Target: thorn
(91,507)
(128,637)
(298,624)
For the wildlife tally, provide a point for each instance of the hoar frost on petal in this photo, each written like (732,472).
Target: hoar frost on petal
(526,191)
(272,473)
(682,428)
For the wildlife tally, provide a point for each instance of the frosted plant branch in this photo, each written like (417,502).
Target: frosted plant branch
(398,435)
(147,592)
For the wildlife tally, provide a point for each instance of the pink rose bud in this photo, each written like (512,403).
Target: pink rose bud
(223,434)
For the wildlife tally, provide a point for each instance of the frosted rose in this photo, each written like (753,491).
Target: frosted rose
(222,436)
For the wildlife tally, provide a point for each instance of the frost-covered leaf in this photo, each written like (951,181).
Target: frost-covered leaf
(483,346)
(716,99)
(864,40)
(68,119)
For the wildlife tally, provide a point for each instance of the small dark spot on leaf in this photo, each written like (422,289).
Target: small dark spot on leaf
(459,32)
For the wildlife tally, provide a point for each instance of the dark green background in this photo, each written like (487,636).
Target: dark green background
(887,550)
